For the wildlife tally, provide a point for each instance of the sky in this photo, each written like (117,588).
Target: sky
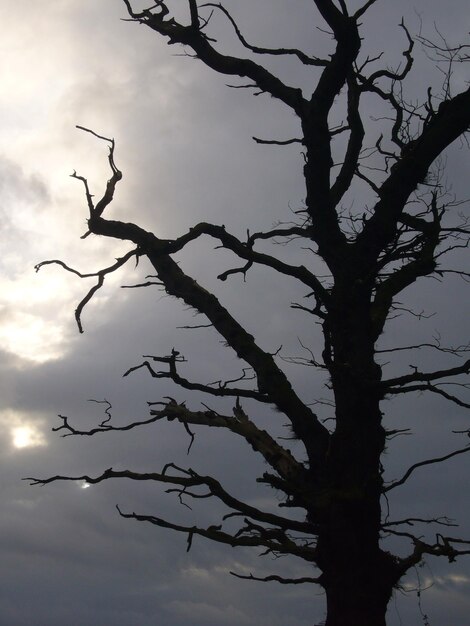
(183,142)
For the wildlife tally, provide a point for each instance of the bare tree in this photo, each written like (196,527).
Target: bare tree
(371,257)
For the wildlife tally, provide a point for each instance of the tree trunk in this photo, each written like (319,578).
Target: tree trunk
(355,605)
(357,575)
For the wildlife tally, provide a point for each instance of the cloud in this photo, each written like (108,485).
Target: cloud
(184,145)
(202,613)
(23,430)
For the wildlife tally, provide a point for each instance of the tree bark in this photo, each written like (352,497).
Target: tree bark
(357,575)
(357,602)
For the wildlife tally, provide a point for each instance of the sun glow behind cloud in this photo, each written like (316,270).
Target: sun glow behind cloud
(34,314)
(27,437)
(24,431)
(32,338)
(43,211)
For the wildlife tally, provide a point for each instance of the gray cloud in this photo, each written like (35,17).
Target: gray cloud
(183,142)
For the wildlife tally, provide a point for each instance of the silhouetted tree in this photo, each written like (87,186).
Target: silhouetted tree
(371,256)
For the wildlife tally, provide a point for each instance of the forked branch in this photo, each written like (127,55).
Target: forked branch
(183,481)
(100,274)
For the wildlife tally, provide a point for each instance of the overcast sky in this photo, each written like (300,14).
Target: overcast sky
(184,145)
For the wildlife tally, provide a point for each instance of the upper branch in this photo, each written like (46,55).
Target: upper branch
(353,150)
(194,37)
(108,195)
(245,251)
(420,248)
(450,122)
(274,51)
(398,75)
(320,200)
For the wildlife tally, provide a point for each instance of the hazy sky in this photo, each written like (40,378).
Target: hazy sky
(184,145)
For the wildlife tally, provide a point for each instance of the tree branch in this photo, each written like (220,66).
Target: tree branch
(271,379)
(294,476)
(221,391)
(450,122)
(214,533)
(279,579)
(306,60)
(193,37)
(411,469)
(99,274)
(185,480)
(442,547)
(432,389)
(245,251)
(400,381)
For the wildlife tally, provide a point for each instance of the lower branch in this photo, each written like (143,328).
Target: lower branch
(214,533)
(181,484)
(444,546)
(279,579)
(292,478)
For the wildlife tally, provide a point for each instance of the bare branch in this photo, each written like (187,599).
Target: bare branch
(279,579)
(275,455)
(442,547)
(432,389)
(417,376)
(186,479)
(398,75)
(222,390)
(271,380)
(291,471)
(411,469)
(216,534)
(274,142)
(101,274)
(455,351)
(306,60)
(411,521)
(108,195)
(356,136)
(245,251)
(360,12)
(193,37)
(451,121)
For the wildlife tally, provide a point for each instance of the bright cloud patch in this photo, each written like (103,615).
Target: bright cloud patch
(27,437)
(24,432)
(31,337)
